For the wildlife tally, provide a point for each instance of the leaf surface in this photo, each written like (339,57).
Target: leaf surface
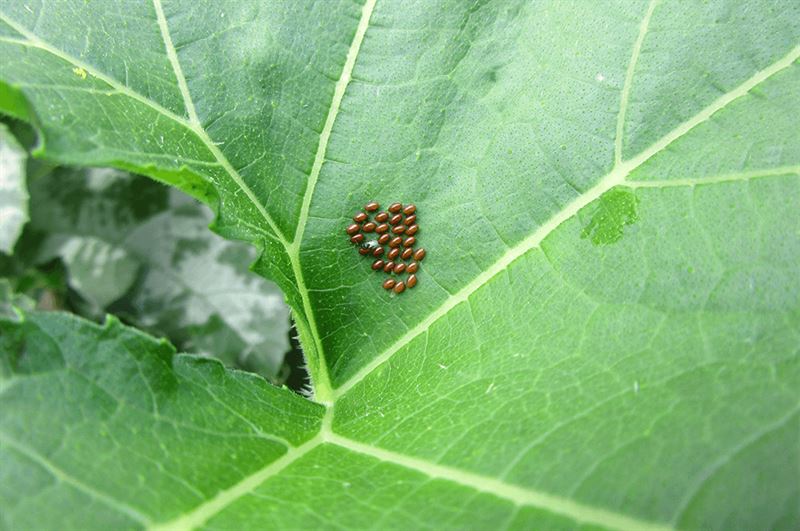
(606,329)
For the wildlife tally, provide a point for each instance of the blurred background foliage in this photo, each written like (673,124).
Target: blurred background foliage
(93,241)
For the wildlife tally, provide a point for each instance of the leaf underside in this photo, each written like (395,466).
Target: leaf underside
(606,332)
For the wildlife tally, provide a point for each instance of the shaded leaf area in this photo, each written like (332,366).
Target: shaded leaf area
(144,252)
(166,431)
(605,331)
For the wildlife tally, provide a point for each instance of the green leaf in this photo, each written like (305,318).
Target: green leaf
(13,193)
(129,418)
(11,303)
(605,332)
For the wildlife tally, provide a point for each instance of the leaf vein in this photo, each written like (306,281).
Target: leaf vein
(626,88)
(518,495)
(321,380)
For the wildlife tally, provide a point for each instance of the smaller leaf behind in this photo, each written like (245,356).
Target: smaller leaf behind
(142,251)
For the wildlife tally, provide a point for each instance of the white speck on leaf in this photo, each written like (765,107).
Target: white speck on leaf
(600,77)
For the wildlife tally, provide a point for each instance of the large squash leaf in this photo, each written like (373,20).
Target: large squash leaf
(606,331)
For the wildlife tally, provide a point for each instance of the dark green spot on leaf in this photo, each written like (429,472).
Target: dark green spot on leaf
(615,209)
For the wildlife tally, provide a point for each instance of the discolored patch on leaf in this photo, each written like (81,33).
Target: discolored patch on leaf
(615,210)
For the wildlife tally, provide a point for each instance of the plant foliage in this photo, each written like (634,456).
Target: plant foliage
(606,331)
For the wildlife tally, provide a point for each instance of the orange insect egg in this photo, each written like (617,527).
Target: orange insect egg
(372,206)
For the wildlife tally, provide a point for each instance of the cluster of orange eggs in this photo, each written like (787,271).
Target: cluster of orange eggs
(389,237)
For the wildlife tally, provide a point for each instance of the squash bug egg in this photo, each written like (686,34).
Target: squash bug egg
(371,245)
(394,208)
(372,206)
